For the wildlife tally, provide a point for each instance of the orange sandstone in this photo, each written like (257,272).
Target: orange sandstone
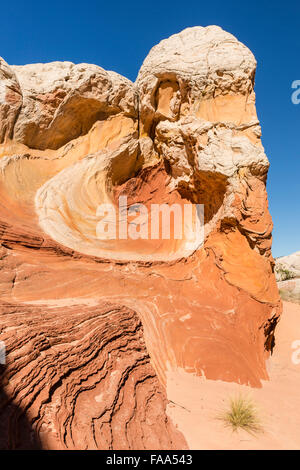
(94,328)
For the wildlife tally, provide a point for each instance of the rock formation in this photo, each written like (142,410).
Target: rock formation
(287,271)
(92,327)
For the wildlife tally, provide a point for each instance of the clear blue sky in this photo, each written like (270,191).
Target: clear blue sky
(118,35)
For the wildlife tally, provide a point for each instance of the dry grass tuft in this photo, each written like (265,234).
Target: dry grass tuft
(242,414)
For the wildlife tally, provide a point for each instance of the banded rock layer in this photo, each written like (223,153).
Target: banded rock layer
(92,327)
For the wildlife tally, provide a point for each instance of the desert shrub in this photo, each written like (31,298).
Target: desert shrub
(283,273)
(242,414)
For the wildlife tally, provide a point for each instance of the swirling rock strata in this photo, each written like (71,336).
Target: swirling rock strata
(83,376)
(93,326)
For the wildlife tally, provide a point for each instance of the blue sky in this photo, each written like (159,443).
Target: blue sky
(118,35)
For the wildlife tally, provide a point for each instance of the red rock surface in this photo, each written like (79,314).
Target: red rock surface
(91,328)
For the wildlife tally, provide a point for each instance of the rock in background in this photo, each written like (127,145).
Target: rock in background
(287,272)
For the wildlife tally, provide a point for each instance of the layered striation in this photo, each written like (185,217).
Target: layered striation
(93,327)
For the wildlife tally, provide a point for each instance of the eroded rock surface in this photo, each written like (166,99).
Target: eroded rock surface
(92,327)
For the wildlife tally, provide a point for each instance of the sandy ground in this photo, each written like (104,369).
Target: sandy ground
(197,402)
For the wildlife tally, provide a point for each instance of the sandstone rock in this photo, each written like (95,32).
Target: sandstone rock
(61,101)
(105,321)
(288,266)
(90,387)
(10,100)
(203,72)
(287,270)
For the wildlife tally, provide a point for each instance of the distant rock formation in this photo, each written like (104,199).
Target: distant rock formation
(287,272)
(92,327)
